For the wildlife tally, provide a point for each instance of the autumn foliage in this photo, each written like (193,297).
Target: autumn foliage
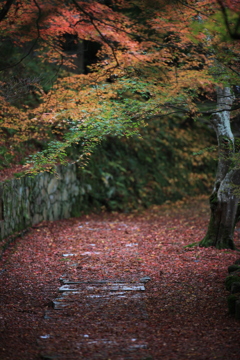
(155,58)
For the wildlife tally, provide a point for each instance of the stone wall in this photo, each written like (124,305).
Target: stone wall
(30,200)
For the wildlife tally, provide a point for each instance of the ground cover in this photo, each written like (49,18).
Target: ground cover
(138,292)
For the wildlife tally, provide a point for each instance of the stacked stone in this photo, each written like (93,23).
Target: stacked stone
(30,200)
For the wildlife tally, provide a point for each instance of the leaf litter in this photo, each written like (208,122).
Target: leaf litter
(137,291)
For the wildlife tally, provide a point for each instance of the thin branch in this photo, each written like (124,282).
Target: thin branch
(136,36)
(34,43)
(233,35)
(223,9)
(92,20)
(192,8)
(5,9)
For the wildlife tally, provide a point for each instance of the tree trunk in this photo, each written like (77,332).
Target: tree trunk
(223,201)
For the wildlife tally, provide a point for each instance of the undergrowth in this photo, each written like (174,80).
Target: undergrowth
(127,173)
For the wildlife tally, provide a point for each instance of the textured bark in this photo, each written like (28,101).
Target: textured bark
(224,205)
(223,201)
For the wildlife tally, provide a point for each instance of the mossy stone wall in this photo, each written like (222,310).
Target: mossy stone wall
(29,200)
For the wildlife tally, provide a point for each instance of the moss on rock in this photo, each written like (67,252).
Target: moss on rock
(230,279)
(233,268)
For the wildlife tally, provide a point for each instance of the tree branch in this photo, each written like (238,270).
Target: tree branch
(92,19)
(234,35)
(34,43)
(5,9)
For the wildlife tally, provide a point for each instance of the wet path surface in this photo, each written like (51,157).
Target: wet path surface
(117,287)
(110,311)
(113,318)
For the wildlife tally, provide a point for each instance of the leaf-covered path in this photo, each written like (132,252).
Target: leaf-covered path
(114,312)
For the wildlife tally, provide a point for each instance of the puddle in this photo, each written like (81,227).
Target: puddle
(45,336)
(118,294)
(103,341)
(90,253)
(117,287)
(93,229)
(98,341)
(67,293)
(135,347)
(65,288)
(105,287)
(106,342)
(145,279)
(96,282)
(98,290)
(59,305)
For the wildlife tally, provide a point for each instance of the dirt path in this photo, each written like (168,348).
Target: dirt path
(118,287)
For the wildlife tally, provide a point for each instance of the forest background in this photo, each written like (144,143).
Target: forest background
(128,90)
